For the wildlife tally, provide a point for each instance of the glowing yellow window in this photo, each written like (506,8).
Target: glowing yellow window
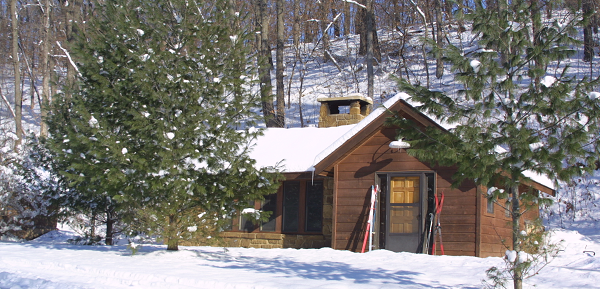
(404,219)
(405,190)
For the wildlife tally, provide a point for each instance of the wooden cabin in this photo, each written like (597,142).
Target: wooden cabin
(325,198)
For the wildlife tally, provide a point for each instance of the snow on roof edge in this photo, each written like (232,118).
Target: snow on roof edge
(540,179)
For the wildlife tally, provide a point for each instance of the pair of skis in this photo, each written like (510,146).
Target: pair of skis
(433,232)
(437,231)
(371,220)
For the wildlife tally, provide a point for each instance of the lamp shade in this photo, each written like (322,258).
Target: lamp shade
(399,144)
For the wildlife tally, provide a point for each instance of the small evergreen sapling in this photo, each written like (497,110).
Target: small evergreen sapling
(516,109)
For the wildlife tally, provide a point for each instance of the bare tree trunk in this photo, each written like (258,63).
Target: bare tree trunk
(300,98)
(362,29)
(264,66)
(536,22)
(370,74)
(45,67)
(439,69)
(280,119)
(70,37)
(588,38)
(296,24)
(324,11)
(423,51)
(448,9)
(500,6)
(17,70)
(548,4)
(346,18)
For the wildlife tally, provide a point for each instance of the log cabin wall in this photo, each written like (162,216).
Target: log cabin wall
(496,226)
(355,174)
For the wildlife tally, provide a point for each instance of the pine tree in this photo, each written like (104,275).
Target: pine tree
(163,117)
(507,123)
(30,190)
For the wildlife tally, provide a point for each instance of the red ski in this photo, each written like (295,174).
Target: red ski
(369,230)
(439,203)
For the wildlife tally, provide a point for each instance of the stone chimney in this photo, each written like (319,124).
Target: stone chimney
(350,109)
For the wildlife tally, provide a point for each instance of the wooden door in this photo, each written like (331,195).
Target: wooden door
(404,213)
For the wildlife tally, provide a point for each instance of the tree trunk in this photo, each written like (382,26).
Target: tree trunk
(109,228)
(296,25)
(448,9)
(324,11)
(70,37)
(337,30)
(93,227)
(588,38)
(45,67)
(516,240)
(548,8)
(280,119)
(346,18)
(264,66)
(423,50)
(502,5)
(439,69)
(370,74)
(363,28)
(17,71)
(171,233)
(536,23)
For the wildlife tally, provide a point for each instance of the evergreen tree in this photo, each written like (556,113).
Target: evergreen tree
(163,117)
(506,122)
(30,190)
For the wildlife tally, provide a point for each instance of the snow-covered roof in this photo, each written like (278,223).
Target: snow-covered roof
(300,149)
(359,126)
(295,148)
(540,179)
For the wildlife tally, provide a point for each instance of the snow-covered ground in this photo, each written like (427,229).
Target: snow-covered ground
(51,262)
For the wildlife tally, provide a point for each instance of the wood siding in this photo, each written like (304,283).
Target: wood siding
(496,228)
(355,174)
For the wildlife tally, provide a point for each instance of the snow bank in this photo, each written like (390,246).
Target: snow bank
(49,263)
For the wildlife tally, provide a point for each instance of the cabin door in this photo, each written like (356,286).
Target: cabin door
(403,206)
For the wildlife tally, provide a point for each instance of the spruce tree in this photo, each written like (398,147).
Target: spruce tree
(163,117)
(505,123)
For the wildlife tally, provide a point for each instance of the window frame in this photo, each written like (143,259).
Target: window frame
(490,206)
(279,214)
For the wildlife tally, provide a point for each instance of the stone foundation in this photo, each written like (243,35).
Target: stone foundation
(273,240)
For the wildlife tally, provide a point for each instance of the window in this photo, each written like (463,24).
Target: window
(246,224)
(291,205)
(490,206)
(269,205)
(296,208)
(314,207)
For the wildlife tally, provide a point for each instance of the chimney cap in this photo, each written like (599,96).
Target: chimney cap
(348,98)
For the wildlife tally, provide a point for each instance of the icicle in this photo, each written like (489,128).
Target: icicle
(312,177)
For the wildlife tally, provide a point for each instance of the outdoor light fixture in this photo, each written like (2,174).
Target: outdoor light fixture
(399,144)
